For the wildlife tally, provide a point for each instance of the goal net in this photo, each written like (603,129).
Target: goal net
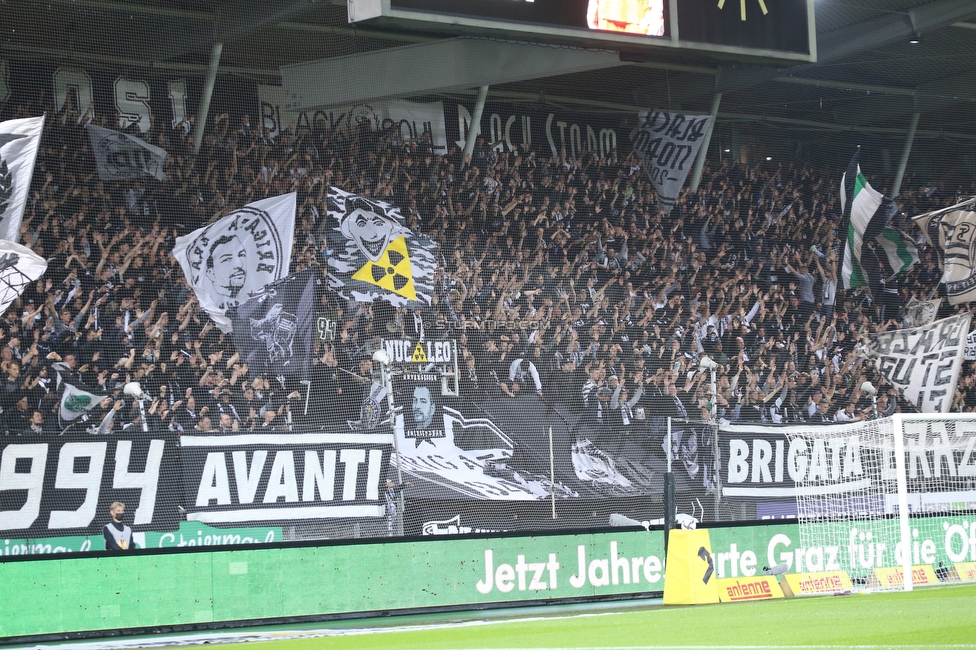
(877,492)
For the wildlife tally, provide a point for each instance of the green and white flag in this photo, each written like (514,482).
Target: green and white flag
(900,249)
(866,213)
(76,402)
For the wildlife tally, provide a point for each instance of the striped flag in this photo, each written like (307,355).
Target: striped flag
(866,213)
(900,249)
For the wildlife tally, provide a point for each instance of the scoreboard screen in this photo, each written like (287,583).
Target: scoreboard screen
(639,17)
(771,29)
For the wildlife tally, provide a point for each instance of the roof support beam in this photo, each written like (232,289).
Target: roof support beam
(844,85)
(428,68)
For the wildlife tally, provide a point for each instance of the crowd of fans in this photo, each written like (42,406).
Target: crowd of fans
(557,277)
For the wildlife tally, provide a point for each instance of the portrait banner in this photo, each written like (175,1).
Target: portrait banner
(374,255)
(234,258)
(921,312)
(419,393)
(922,362)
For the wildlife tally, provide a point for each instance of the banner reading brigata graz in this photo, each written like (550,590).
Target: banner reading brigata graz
(51,486)
(278,477)
(764,465)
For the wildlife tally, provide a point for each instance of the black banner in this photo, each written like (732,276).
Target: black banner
(53,486)
(283,477)
(273,330)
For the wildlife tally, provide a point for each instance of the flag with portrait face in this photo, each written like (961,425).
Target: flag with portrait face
(231,259)
(373,253)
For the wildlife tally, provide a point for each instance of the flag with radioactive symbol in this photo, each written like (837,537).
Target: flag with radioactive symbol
(374,255)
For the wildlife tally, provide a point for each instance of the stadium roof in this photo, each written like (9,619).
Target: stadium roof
(869,75)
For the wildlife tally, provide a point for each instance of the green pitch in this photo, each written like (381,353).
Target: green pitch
(934,617)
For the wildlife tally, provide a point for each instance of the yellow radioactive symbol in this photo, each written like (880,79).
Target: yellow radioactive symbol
(419,356)
(392,271)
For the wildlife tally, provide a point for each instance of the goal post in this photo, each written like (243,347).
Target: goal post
(878,491)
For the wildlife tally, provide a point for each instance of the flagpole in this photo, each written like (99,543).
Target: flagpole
(552,473)
(968,201)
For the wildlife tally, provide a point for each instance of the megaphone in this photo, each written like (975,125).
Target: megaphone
(707,363)
(133,389)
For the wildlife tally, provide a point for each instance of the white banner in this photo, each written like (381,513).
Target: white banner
(921,312)
(667,144)
(412,118)
(121,156)
(19,142)
(970,354)
(955,233)
(922,362)
(238,255)
(19,266)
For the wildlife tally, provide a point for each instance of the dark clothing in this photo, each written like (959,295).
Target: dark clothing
(118,537)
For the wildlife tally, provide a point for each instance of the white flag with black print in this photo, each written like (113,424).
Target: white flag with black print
(970,354)
(19,142)
(374,255)
(921,312)
(19,266)
(120,156)
(954,231)
(233,258)
(667,145)
(923,363)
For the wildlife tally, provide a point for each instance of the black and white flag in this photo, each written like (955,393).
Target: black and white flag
(374,255)
(273,330)
(233,258)
(667,145)
(921,312)
(19,266)
(970,354)
(120,156)
(922,362)
(19,142)
(954,231)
